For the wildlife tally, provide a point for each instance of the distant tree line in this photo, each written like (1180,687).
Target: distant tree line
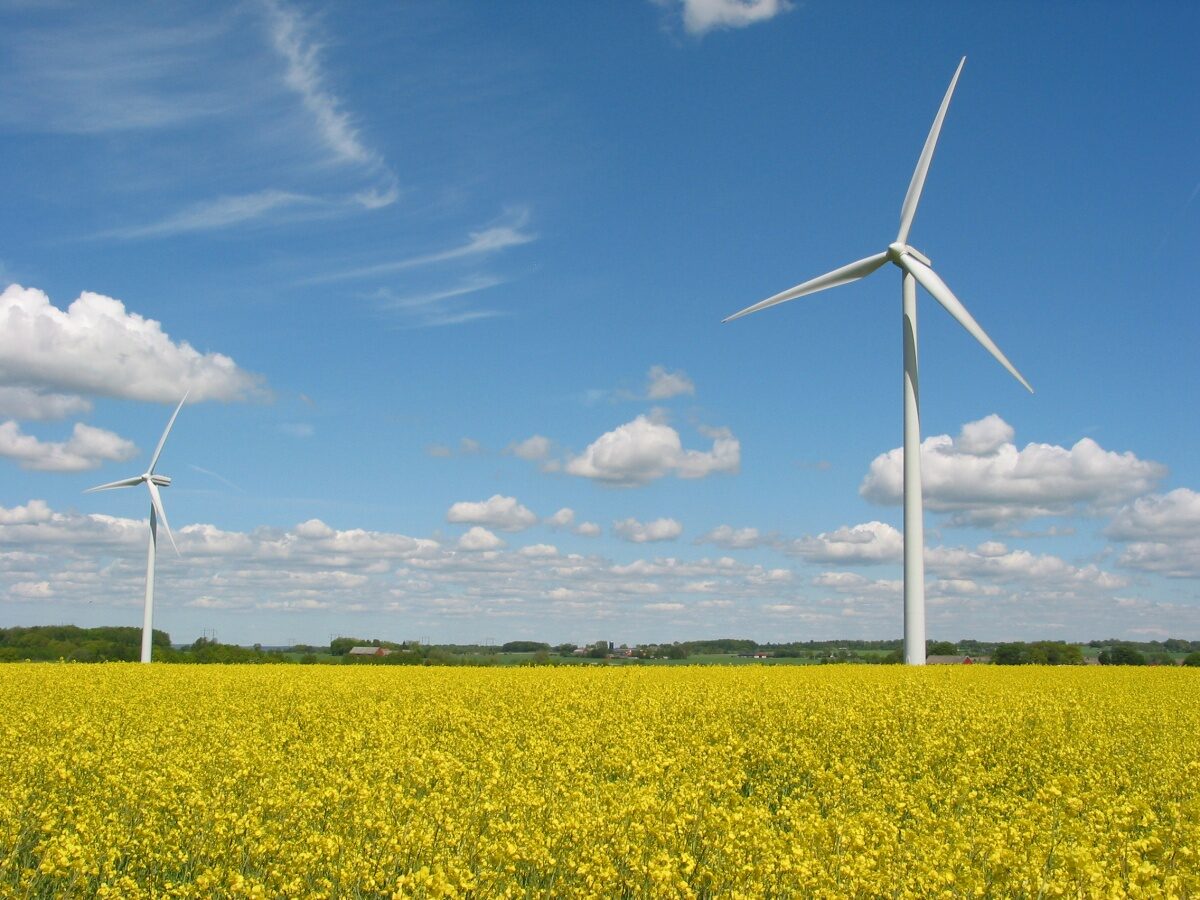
(1038,653)
(123,644)
(105,644)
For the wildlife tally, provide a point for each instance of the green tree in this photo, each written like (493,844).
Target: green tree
(1122,656)
(1192,659)
(940,648)
(1014,654)
(1055,653)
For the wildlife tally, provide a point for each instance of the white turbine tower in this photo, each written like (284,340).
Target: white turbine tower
(153,482)
(915,268)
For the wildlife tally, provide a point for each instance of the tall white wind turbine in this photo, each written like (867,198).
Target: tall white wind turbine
(915,268)
(153,482)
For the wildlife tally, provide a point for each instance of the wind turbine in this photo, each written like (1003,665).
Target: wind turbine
(153,482)
(915,267)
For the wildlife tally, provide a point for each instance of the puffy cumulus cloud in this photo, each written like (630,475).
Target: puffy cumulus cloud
(736,538)
(645,449)
(95,562)
(97,347)
(28,403)
(533,448)
(479,538)
(539,550)
(643,533)
(984,436)
(31,590)
(702,16)
(663,385)
(866,544)
(86,448)
(31,513)
(504,513)
(982,478)
(1159,517)
(853,583)
(1162,533)
(993,561)
(564,519)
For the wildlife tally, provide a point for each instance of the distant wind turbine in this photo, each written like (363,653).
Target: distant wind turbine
(916,268)
(153,482)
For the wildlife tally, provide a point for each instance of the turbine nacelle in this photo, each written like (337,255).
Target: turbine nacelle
(160,480)
(896,250)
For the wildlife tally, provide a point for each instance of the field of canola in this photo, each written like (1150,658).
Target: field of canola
(287,781)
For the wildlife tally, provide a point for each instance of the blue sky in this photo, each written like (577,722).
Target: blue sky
(445,281)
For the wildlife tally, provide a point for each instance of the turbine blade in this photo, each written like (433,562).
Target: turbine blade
(931,281)
(162,440)
(909,208)
(844,275)
(124,482)
(156,502)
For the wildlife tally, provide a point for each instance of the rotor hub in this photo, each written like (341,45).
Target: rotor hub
(897,250)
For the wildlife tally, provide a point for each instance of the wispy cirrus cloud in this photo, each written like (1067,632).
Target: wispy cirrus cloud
(251,74)
(94,72)
(222,212)
(290,35)
(508,231)
(441,307)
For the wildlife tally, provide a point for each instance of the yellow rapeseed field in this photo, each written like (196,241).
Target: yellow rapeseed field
(176,781)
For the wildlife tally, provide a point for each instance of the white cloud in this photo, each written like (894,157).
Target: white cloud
(702,16)
(642,533)
(1175,515)
(1162,532)
(33,512)
(997,563)
(73,74)
(982,478)
(442,306)
(508,231)
(31,590)
(662,385)
(298,429)
(532,448)
(97,347)
(644,449)
(866,544)
(564,518)
(859,585)
(735,538)
(97,562)
(303,75)
(539,550)
(221,212)
(87,448)
(28,403)
(504,513)
(478,538)
(589,529)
